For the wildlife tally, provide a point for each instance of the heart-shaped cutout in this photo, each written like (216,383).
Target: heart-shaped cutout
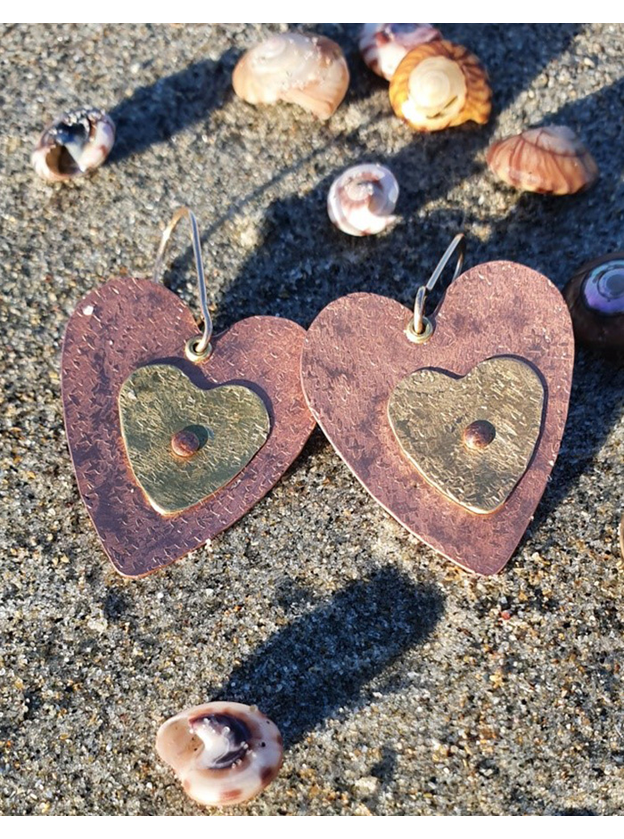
(128,324)
(185,443)
(471,438)
(355,354)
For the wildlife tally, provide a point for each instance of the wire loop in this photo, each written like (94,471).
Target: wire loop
(421,328)
(197,349)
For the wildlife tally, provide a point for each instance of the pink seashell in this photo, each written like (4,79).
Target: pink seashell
(309,70)
(384,45)
(551,160)
(361,201)
(224,753)
(74,145)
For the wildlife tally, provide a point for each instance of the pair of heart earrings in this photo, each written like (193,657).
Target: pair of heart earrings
(452,422)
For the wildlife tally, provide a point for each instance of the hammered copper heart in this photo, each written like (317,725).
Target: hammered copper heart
(185,443)
(356,353)
(125,325)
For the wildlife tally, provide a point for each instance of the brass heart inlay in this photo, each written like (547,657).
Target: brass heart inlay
(472,438)
(185,443)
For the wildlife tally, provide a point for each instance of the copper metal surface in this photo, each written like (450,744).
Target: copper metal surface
(356,353)
(430,412)
(157,404)
(126,324)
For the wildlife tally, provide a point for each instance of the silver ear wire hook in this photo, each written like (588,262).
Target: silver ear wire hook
(420,328)
(196,349)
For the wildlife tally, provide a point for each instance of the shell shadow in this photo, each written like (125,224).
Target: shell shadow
(154,113)
(322,662)
(301,254)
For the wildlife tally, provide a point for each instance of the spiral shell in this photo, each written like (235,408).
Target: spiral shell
(361,201)
(595,297)
(74,145)
(551,160)
(224,753)
(309,70)
(384,45)
(440,85)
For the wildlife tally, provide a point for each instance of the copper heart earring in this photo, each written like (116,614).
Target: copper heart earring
(452,422)
(175,435)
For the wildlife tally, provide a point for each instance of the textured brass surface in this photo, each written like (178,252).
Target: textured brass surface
(157,402)
(430,413)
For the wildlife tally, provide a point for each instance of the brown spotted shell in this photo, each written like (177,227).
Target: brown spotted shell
(595,297)
(74,145)
(224,753)
(309,70)
(440,85)
(550,160)
(384,45)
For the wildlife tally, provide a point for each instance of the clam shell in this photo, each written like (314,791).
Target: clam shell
(308,70)
(440,85)
(223,753)
(74,145)
(384,45)
(361,200)
(550,160)
(595,297)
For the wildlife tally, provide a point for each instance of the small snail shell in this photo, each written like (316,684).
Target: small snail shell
(439,85)
(361,201)
(223,753)
(309,70)
(384,45)
(74,145)
(551,160)
(595,296)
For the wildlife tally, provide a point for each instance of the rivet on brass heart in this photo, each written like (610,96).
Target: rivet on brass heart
(185,443)
(472,438)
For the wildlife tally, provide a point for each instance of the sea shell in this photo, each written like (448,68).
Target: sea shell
(595,297)
(74,145)
(309,70)
(551,160)
(361,201)
(384,45)
(223,752)
(439,85)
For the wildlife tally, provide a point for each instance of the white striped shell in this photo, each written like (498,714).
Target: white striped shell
(384,45)
(361,200)
(309,70)
(224,753)
(74,145)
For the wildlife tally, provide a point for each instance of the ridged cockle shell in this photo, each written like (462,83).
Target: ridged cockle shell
(309,70)
(440,85)
(74,145)
(361,201)
(595,296)
(223,752)
(551,160)
(384,45)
